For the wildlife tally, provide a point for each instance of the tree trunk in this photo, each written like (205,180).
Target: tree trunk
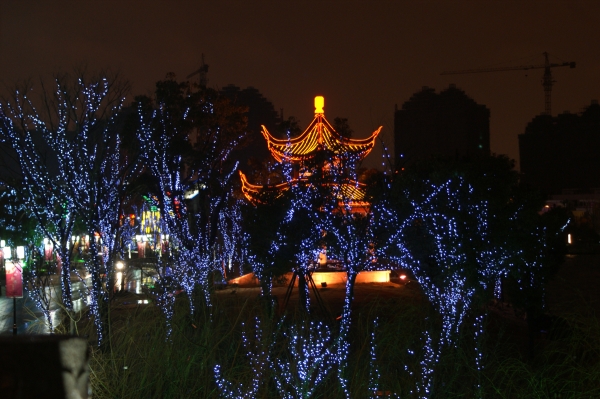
(349,297)
(303,298)
(265,285)
(266,296)
(65,280)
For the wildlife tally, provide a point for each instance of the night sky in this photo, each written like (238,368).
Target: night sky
(364,57)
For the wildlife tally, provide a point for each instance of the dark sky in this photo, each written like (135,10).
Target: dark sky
(363,56)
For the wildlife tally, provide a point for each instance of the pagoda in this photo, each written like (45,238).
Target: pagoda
(319,138)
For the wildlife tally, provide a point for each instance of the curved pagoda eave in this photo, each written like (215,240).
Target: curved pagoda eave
(256,192)
(351,193)
(318,135)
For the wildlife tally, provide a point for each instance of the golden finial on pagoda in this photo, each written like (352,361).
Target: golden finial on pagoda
(319,104)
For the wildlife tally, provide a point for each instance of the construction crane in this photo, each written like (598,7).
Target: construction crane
(547,81)
(202,71)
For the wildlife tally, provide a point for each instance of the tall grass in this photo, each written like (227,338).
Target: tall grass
(138,361)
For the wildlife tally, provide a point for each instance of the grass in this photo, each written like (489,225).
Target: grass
(137,362)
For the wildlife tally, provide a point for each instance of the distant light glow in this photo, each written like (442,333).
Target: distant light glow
(20,252)
(191,194)
(119,280)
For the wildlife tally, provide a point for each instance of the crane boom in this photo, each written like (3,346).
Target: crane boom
(547,80)
(202,71)
(511,68)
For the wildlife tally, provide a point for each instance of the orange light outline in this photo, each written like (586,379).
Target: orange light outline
(318,133)
(354,191)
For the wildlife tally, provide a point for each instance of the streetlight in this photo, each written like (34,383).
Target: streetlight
(7,252)
(120,280)
(20,252)
(14,278)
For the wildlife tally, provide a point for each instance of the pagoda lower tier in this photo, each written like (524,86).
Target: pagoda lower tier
(349,193)
(320,137)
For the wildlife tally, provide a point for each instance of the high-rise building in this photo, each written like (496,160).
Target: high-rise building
(559,154)
(448,124)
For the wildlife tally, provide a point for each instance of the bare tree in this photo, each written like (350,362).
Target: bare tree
(73,166)
(192,133)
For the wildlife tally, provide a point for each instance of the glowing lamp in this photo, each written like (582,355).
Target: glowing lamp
(7,252)
(119,265)
(319,104)
(2,243)
(20,252)
(47,250)
(191,194)
(323,259)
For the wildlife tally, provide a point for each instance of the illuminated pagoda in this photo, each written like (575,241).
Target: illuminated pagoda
(319,137)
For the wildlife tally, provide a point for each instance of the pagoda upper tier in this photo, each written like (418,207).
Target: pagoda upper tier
(318,136)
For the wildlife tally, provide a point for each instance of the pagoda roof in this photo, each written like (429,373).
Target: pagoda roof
(318,136)
(350,192)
